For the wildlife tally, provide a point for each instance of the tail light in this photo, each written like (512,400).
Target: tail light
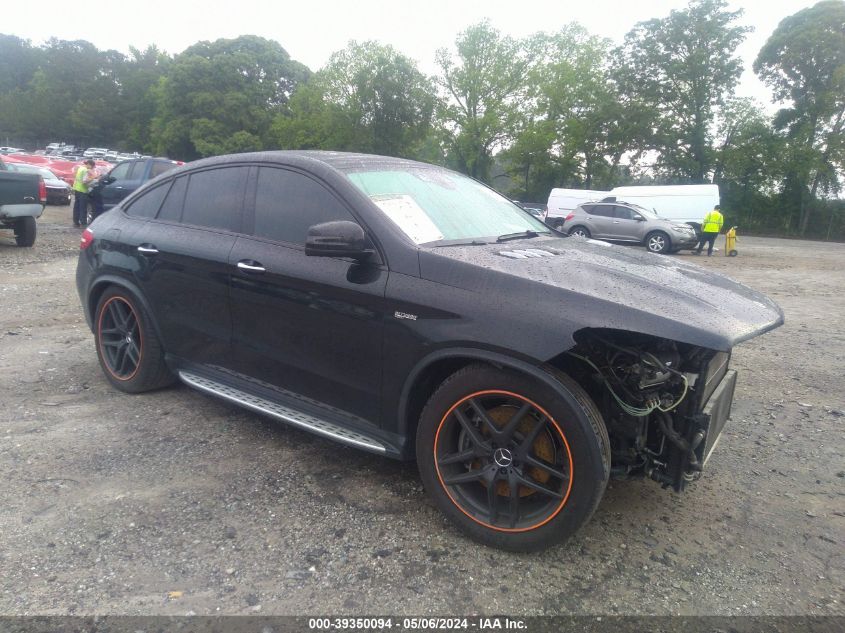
(87,239)
(42,191)
(569,217)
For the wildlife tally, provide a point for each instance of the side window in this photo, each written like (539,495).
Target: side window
(215,198)
(159,167)
(172,208)
(137,171)
(603,210)
(121,171)
(287,203)
(148,204)
(623,213)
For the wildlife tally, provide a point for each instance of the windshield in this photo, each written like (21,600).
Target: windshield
(433,205)
(646,212)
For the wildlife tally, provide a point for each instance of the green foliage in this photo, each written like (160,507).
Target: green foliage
(368,98)
(554,109)
(220,96)
(577,112)
(484,86)
(681,68)
(804,63)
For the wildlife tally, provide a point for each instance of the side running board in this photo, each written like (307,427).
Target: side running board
(281,412)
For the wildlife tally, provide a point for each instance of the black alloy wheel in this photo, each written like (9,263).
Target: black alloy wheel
(120,338)
(503,460)
(128,349)
(514,462)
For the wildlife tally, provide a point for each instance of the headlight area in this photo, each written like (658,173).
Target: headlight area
(664,403)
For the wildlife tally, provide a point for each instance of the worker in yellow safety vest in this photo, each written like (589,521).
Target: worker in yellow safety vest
(85,177)
(710,227)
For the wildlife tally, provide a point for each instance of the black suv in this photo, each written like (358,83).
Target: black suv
(126,177)
(410,311)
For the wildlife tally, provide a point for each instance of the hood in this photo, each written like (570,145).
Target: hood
(576,283)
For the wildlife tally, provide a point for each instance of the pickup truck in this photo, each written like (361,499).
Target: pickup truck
(22,199)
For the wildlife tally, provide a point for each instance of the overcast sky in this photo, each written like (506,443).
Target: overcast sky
(311,30)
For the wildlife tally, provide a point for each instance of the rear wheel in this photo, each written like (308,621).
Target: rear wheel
(129,351)
(580,231)
(25,231)
(512,462)
(658,242)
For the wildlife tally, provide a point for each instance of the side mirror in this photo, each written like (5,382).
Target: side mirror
(107,180)
(639,218)
(341,238)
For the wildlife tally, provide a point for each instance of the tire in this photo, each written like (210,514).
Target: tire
(548,445)
(25,231)
(128,349)
(89,215)
(732,253)
(658,242)
(580,231)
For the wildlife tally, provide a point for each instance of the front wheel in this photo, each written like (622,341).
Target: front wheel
(658,242)
(512,462)
(128,349)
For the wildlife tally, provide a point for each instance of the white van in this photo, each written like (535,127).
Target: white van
(683,203)
(563,201)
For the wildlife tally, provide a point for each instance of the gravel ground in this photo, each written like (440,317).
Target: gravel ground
(173,502)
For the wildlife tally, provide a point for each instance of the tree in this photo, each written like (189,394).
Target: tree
(748,164)
(484,86)
(804,63)
(138,77)
(368,98)
(221,96)
(579,107)
(18,62)
(681,68)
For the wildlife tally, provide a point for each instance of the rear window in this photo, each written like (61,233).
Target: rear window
(171,210)
(159,167)
(147,205)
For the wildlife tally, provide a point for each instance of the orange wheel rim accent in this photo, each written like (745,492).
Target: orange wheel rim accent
(100,339)
(552,421)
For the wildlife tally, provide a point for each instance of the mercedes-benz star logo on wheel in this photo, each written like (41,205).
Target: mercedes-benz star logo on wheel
(503,457)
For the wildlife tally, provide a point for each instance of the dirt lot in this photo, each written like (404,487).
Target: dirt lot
(111,502)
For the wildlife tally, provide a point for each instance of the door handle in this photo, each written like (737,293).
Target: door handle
(250,266)
(147,249)
(616,221)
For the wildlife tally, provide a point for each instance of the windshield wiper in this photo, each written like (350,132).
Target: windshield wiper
(517,236)
(441,243)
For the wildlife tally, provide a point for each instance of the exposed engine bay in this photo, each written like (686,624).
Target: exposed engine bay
(664,403)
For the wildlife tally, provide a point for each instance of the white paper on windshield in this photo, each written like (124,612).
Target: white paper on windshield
(403,210)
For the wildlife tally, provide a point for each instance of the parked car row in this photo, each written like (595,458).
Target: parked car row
(122,178)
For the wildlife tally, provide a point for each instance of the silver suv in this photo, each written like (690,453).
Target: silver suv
(626,222)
